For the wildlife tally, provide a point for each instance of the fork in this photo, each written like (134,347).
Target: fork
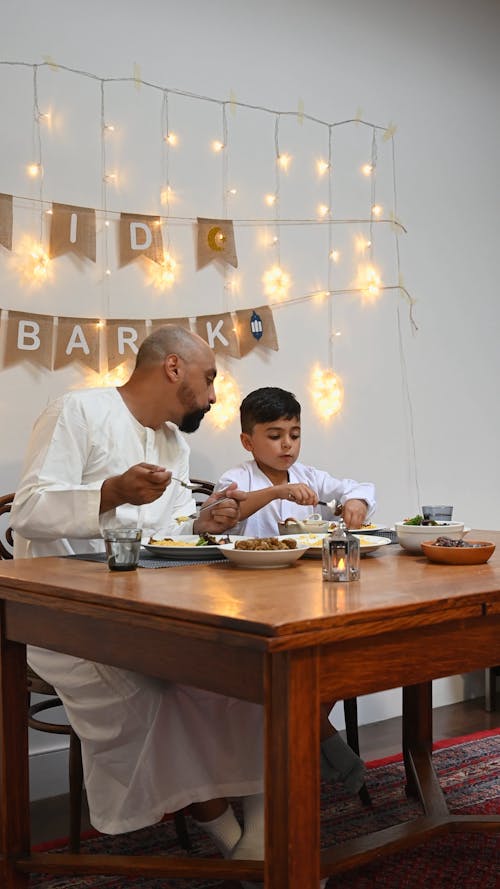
(331,504)
(189,485)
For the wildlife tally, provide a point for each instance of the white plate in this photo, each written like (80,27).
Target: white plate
(368,529)
(185,548)
(258,558)
(314,542)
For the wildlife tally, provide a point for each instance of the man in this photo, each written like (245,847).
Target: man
(107,457)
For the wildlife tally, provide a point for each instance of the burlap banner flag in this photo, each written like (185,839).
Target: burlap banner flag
(219,332)
(72,230)
(29,338)
(179,322)
(140,236)
(78,341)
(216,242)
(255,327)
(6,221)
(123,339)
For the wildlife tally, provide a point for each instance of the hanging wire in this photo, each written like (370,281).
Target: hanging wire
(37,145)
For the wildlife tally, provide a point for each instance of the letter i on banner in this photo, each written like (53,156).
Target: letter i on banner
(72,230)
(29,338)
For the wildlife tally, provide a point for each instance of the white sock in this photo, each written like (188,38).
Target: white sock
(224,830)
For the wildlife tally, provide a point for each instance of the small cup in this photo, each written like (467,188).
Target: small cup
(123,547)
(438,513)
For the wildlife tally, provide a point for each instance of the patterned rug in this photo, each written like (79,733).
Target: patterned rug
(469,772)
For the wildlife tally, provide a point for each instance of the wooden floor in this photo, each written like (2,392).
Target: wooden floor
(50,816)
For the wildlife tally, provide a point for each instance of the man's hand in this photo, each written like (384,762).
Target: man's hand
(354,513)
(220,511)
(142,483)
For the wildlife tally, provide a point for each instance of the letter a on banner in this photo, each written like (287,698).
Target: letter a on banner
(77,341)
(72,230)
(140,236)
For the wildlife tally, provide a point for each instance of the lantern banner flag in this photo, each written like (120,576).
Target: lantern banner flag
(29,338)
(256,328)
(140,236)
(216,242)
(72,230)
(6,221)
(219,333)
(123,339)
(78,340)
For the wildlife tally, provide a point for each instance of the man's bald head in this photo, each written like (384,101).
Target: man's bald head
(167,340)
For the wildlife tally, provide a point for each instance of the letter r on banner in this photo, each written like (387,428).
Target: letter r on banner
(127,336)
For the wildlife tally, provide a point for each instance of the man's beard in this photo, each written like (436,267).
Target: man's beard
(191,421)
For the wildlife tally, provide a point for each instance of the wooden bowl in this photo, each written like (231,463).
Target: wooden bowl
(459,555)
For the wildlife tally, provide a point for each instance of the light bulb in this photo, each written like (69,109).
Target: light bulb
(228,401)
(232,191)
(217,145)
(276,282)
(34,170)
(323,210)
(377,210)
(270,199)
(367,169)
(322,166)
(171,138)
(327,392)
(110,177)
(109,127)
(334,255)
(284,161)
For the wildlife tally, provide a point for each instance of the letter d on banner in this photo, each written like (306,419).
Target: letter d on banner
(140,236)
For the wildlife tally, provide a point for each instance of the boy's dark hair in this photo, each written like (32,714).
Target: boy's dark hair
(267,404)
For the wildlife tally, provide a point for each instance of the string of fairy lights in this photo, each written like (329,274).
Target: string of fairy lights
(326,386)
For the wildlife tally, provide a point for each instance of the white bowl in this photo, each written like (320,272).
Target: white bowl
(306,526)
(411,536)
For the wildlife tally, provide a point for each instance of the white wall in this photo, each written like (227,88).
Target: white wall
(432,68)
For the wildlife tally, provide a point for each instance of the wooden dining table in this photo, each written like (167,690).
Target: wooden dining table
(283,638)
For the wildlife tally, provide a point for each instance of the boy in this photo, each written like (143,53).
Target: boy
(279,488)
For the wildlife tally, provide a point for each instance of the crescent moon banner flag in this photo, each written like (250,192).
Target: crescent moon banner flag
(216,242)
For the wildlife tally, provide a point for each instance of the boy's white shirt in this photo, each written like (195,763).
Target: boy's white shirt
(264,522)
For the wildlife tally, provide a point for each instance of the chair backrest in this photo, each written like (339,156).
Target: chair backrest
(203,489)
(6,541)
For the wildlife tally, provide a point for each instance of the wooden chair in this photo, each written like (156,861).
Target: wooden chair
(490,688)
(37,685)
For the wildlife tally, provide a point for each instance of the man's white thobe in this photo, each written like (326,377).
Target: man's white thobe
(148,747)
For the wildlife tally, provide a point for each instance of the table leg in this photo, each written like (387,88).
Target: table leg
(14,775)
(421,779)
(292,770)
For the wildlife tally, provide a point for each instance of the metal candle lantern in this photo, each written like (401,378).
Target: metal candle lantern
(341,555)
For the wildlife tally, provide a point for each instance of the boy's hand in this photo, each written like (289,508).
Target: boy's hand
(354,513)
(299,493)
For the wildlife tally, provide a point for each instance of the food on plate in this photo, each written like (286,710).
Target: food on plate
(419,520)
(203,540)
(367,527)
(266,543)
(448,541)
